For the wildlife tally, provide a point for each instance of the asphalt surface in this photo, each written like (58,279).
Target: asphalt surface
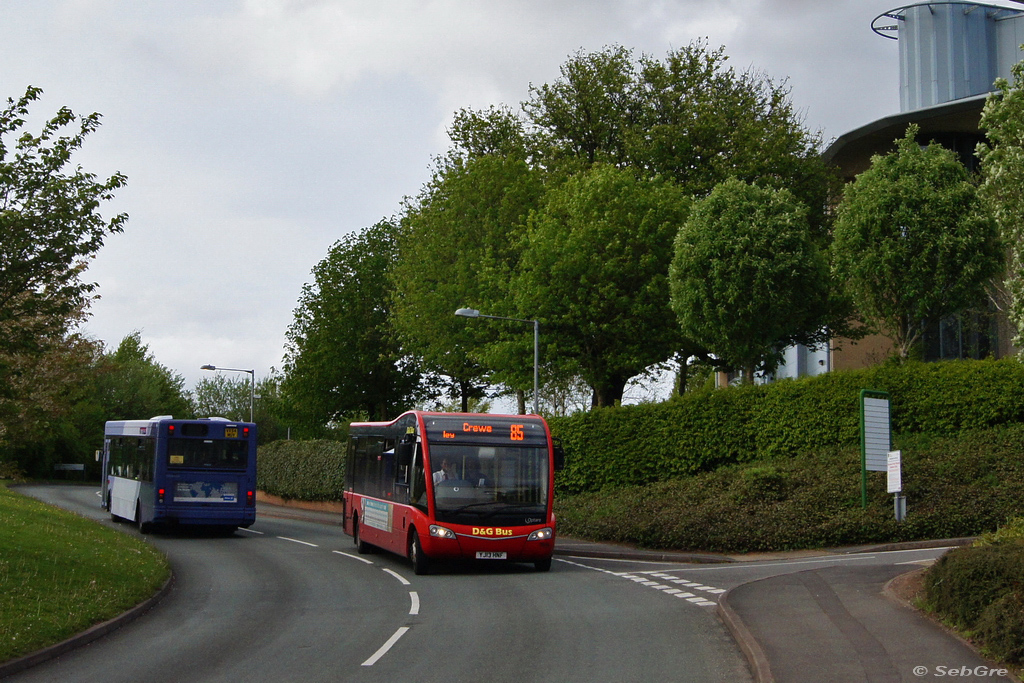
(829,624)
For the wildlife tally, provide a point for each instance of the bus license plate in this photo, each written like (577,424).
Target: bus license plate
(489,555)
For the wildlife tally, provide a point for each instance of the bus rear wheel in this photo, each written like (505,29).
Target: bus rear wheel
(420,562)
(144,527)
(362,547)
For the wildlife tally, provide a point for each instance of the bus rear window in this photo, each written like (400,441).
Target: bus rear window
(207,453)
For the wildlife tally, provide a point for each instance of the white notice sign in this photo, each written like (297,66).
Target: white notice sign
(894,477)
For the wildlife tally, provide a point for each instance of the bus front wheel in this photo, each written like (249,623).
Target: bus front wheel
(420,563)
(542,565)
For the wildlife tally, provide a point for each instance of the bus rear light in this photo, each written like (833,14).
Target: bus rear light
(160,495)
(245,432)
(541,534)
(250,498)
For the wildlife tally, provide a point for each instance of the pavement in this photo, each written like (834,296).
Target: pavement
(838,624)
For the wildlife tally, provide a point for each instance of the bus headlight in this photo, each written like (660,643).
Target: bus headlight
(544,534)
(441,532)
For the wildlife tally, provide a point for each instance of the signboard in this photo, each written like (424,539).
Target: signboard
(875,430)
(894,475)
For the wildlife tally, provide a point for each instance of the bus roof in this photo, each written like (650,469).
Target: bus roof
(148,427)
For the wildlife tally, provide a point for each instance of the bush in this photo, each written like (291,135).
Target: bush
(955,486)
(302,470)
(980,590)
(1001,627)
(967,581)
(626,446)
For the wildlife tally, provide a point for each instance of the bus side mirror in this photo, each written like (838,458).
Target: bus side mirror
(559,457)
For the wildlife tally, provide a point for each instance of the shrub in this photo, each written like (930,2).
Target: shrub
(955,486)
(1001,627)
(632,445)
(302,470)
(965,582)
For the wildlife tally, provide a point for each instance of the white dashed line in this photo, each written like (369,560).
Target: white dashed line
(354,557)
(405,581)
(295,540)
(415,598)
(386,646)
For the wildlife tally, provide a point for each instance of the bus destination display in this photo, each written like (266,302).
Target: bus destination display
(492,431)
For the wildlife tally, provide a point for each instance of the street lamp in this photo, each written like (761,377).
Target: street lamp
(252,386)
(473,313)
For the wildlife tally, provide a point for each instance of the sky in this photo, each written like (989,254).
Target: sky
(257,133)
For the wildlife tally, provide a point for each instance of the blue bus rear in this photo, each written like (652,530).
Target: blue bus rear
(166,472)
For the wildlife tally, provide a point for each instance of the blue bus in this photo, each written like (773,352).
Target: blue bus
(166,472)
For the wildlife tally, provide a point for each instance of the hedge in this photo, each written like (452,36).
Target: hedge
(631,445)
(956,486)
(302,470)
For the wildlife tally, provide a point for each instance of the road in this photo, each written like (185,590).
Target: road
(289,600)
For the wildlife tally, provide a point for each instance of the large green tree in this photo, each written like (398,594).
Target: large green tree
(688,121)
(689,117)
(594,272)
(913,242)
(460,244)
(50,225)
(343,358)
(232,396)
(748,278)
(133,385)
(1002,165)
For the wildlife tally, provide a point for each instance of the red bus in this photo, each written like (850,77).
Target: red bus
(440,486)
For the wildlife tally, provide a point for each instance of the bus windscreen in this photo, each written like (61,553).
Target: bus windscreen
(494,485)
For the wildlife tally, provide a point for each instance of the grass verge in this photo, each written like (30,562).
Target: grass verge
(61,573)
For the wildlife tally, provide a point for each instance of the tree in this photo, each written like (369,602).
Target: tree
(1002,165)
(594,272)
(688,117)
(913,241)
(50,227)
(223,396)
(461,242)
(132,385)
(53,413)
(49,223)
(747,279)
(343,358)
(229,396)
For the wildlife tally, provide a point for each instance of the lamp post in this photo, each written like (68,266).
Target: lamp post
(473,313)
(252,385)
